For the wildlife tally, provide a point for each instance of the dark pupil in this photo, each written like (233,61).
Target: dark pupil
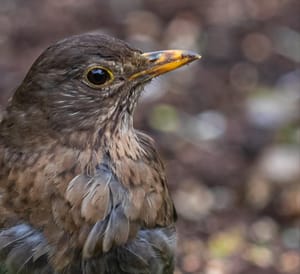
(98,76)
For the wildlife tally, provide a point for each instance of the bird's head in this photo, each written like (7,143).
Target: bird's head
(89,81)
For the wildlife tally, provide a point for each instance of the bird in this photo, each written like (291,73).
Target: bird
(81,190)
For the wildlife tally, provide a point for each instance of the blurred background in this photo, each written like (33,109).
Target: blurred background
(227,126)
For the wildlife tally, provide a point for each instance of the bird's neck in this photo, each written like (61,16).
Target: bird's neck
(31,128)
(113,142)
(124,144)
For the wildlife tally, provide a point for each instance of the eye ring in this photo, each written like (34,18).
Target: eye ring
(97,76)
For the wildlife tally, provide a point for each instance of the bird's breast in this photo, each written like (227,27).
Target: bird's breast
(91,200)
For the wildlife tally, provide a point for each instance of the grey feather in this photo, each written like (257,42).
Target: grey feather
(24,250)
(151,252)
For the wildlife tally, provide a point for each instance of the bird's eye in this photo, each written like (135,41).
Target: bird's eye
(97,76)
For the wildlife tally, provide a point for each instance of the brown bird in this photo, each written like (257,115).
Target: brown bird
(82,191)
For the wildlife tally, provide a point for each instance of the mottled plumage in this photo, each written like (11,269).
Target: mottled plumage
(81,191)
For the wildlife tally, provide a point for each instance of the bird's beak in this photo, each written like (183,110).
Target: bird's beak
(159,62)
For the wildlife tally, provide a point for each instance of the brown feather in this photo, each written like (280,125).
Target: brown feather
(80,190)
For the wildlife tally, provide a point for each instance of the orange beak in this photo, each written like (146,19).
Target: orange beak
(160,62)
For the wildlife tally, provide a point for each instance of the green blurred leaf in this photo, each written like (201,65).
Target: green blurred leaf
(164,118)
